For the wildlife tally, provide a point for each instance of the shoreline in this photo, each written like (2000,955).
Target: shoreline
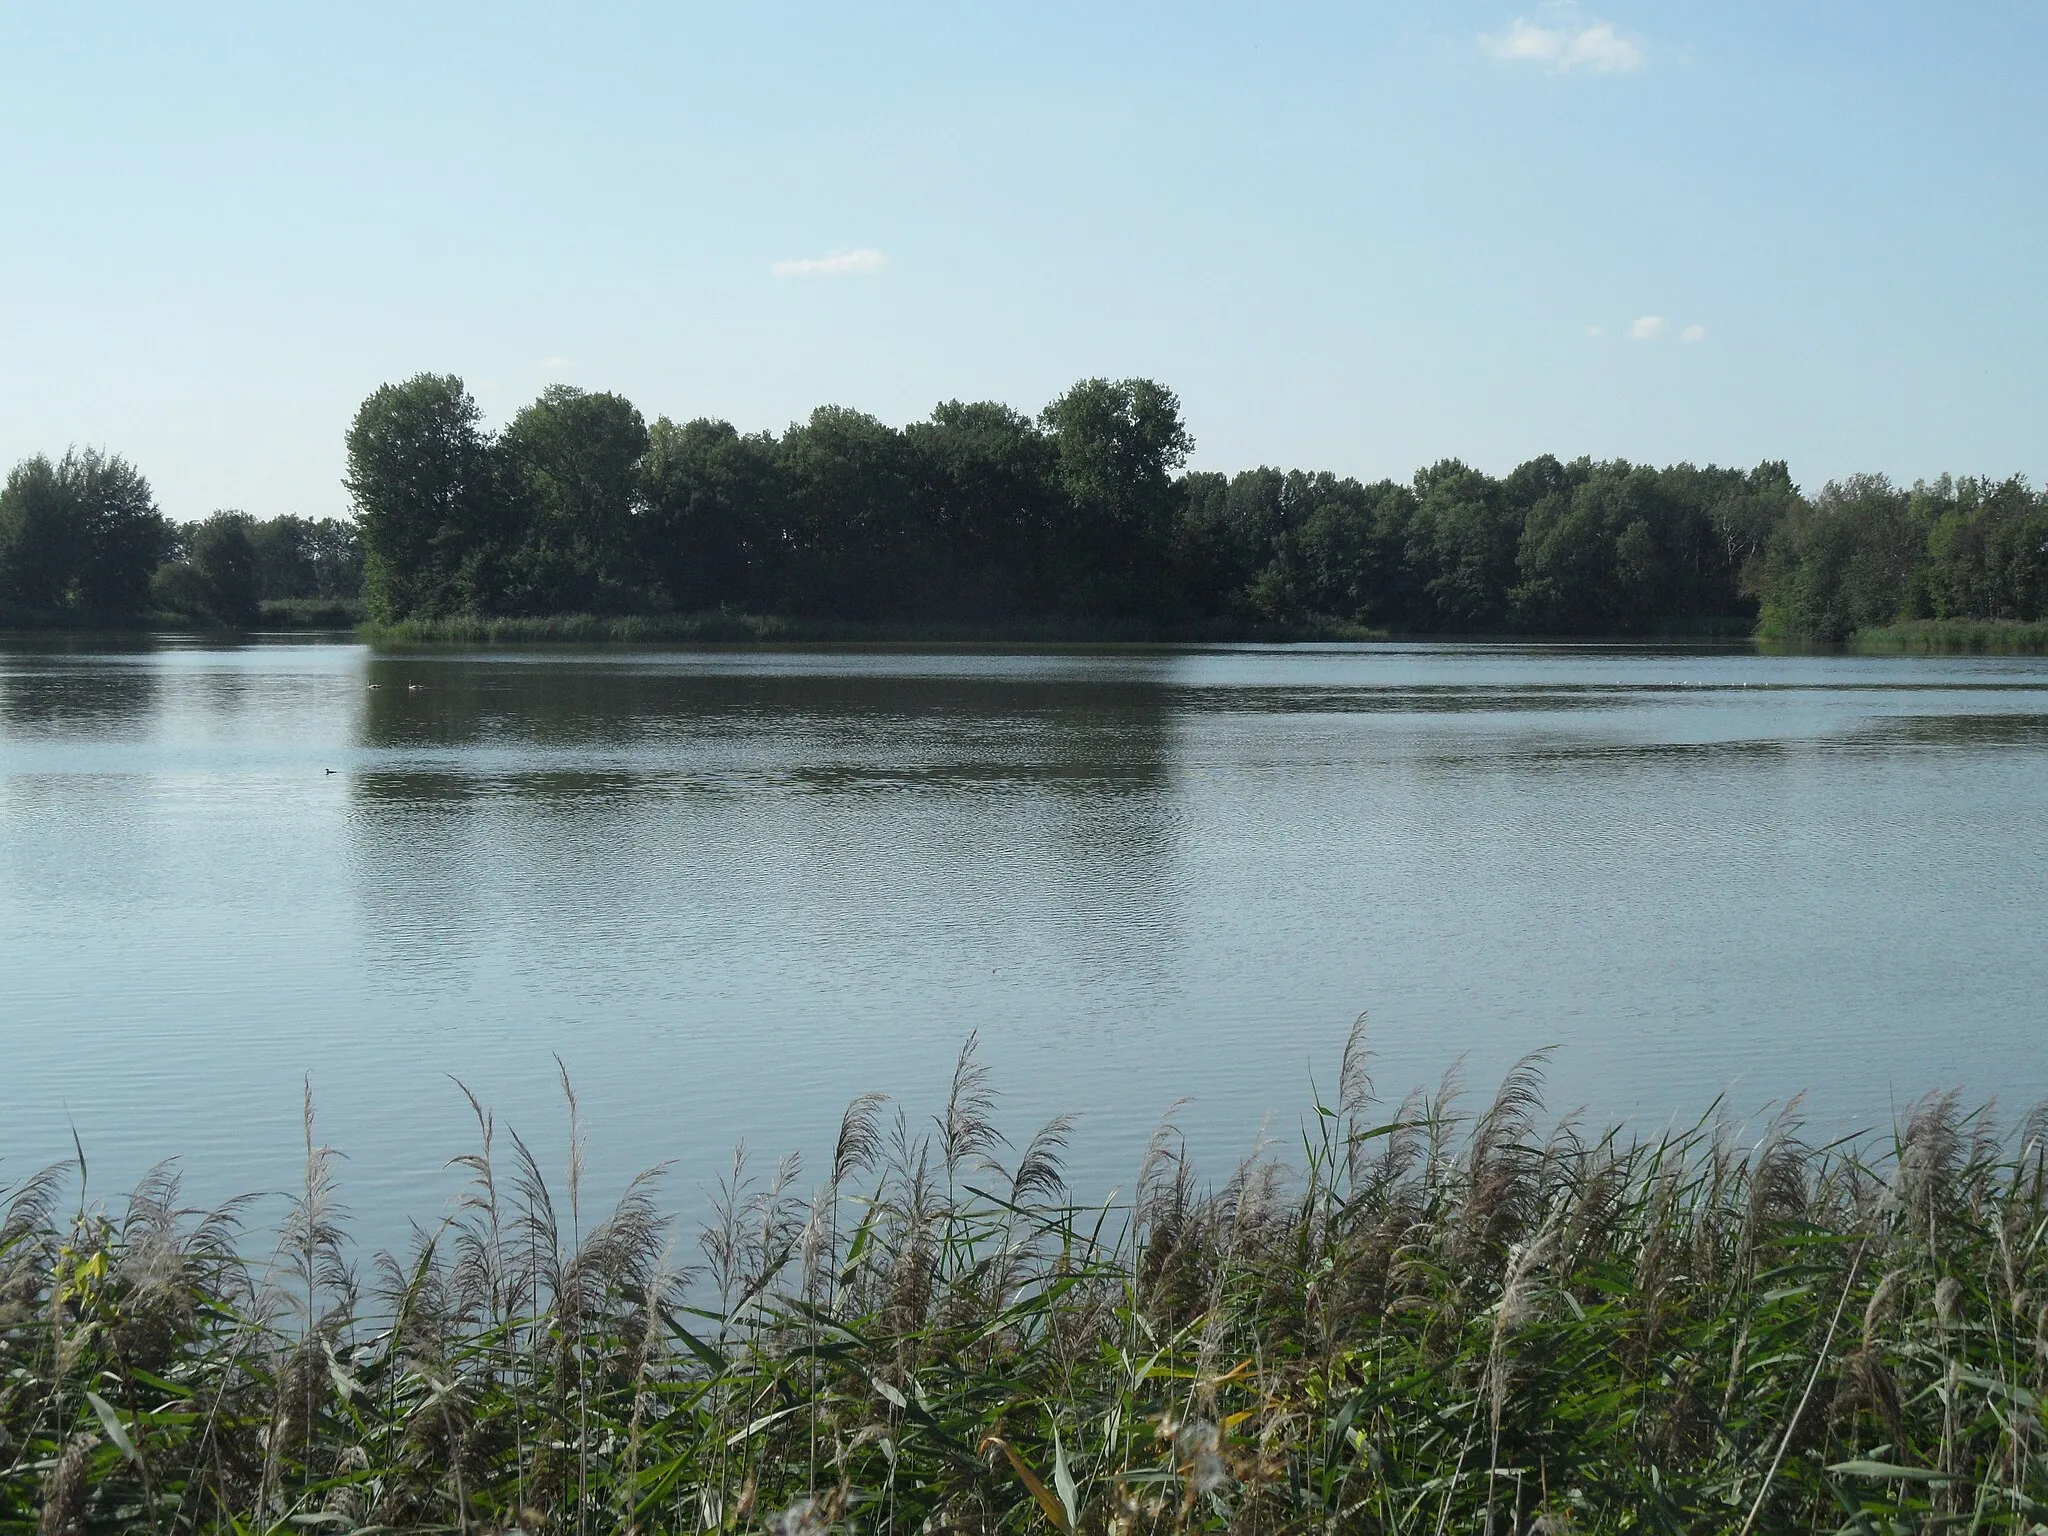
(310,619)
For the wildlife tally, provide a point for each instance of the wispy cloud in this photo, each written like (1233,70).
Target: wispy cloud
(845,264)
(1567,41)
(554,362)
(1693,333)
(1596,330)
(1649,328)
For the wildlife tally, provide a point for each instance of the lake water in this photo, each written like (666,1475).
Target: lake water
(731,889)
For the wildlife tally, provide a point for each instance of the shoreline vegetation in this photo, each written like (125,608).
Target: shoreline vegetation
(717,627)
(580,520)
(2003,637)
(1439,1318)
(723,628)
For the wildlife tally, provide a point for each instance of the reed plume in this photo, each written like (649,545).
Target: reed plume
(1433,1322)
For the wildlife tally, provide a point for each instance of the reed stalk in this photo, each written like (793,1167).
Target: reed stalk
(1436,1321)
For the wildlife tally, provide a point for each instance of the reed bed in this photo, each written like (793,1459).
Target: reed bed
(1424,1320)
(2023,637)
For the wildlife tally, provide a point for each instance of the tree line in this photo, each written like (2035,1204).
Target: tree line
(983,513)
(1865,552)
(81,539)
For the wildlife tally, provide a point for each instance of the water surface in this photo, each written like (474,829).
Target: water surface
(731,889)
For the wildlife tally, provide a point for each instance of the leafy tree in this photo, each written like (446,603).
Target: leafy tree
(1349,550)
(1119,443)
(224,555)
(853,546)
(1855,557)
(42,536)
(1745,513)
(219,579)
(80,535)
(987,511)
(710,532)
(1987,548)
(299,557)
(572,469)
(1463,540)
(1600,552)
(980,511)
(1214,558)
(434,526)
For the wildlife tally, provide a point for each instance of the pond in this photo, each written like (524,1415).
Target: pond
(730,889)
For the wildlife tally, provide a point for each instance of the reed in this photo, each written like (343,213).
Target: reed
(1431,1321)
(2000,636)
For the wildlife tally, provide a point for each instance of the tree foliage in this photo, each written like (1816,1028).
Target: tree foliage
(81,535)
(429,501)
(983,513)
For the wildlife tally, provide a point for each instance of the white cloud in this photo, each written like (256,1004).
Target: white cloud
(1693,333)
(1596,330)
(842,265)
(1571,42)
(1649,328)
(554,362)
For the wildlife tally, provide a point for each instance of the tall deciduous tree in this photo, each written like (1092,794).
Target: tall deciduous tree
(433,524)
(710,530)
(854,547)
(306,557)
(82,534)
(1119,443)
(572,470)
(987,510)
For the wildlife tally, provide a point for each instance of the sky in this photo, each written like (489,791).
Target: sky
(1360,237)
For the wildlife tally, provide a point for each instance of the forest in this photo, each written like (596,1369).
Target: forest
(981,513)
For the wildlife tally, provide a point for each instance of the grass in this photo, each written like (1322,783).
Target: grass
(720,627)
(1431,1322)
(2006,636)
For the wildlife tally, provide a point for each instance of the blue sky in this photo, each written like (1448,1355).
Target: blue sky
(1359,237)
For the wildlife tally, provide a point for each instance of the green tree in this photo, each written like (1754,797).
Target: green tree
(855,550)
(434,525)
(224,555)
(1987,548)
(985,494)
(1855,557)
(1744,513)
(1349,551)
(1119,444)
(710,532)
(1214,560)
(1597,552)
(217,577)
(42,536)
(1463,540)
(80,535)
(572,465)
(299,557)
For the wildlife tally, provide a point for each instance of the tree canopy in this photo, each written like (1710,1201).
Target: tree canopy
(980,512)
(81,535)
(983,512)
